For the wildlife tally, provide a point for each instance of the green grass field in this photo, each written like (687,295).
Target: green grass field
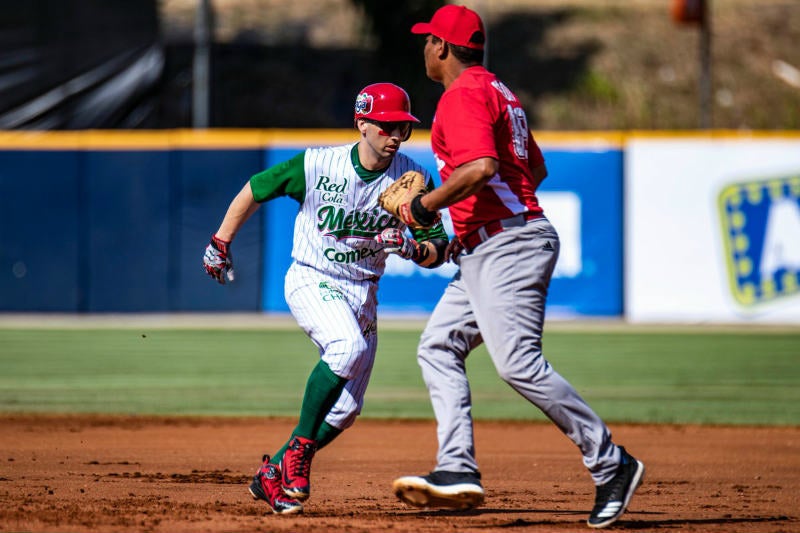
(627,375)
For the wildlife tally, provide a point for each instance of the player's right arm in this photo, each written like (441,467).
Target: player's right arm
(465,180)
(283,179)
(242,208)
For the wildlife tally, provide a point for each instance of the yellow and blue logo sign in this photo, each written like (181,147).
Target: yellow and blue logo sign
(761,233)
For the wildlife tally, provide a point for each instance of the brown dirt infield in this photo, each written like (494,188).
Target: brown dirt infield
(169,474)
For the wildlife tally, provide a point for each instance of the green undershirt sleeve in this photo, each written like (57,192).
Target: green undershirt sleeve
(284,179)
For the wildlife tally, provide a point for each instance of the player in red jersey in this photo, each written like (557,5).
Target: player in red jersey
(490,168)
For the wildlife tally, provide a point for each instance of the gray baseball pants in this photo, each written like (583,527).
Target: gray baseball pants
(498,297)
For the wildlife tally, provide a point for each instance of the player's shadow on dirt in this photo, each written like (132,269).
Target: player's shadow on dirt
(677,522)
(629,521)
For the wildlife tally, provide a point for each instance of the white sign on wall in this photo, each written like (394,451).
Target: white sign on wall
(712,230)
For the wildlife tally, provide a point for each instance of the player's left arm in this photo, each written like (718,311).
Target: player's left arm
(426,248)
(432,243)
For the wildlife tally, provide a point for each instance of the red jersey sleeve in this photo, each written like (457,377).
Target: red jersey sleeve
(467,125)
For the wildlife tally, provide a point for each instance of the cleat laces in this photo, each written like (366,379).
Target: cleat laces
(301,464)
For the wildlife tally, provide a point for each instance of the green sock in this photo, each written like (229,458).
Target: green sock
(322,390)
(326,434)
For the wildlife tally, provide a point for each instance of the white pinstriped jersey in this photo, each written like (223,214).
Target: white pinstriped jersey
(339,213)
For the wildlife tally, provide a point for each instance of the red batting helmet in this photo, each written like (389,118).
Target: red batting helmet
(385,102)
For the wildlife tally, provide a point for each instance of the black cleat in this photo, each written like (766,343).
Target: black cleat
(456,490)
(613,498)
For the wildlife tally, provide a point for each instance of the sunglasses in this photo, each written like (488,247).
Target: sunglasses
(388,128)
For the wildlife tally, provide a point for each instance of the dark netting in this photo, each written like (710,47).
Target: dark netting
(74,64)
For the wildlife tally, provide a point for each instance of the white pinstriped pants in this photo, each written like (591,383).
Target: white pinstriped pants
(340,318)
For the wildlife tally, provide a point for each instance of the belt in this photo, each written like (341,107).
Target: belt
(484,233)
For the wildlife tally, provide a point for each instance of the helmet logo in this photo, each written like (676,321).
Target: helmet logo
(364,104)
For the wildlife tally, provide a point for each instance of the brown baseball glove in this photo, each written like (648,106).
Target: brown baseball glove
(398,198)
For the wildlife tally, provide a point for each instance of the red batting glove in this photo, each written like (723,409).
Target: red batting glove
(395,242)
(218,261)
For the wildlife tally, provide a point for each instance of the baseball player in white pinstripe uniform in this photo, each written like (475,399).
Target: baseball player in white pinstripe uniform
(341,241)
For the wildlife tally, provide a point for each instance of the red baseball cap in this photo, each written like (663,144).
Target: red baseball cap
(457,25)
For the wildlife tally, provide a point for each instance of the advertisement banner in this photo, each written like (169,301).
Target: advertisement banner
(713,230)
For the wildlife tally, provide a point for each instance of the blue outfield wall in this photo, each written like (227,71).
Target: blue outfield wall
(588,279)
(42,216)
(122,229)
